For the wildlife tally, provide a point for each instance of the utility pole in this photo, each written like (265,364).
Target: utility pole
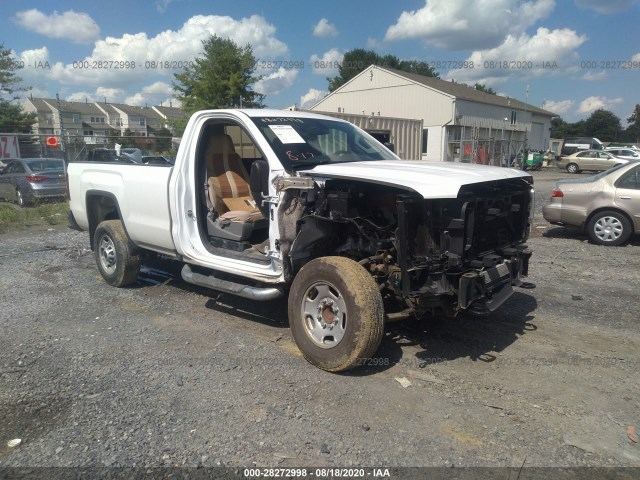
(61,123)
(525,148)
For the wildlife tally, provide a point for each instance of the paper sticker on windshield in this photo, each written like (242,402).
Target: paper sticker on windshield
(286,134)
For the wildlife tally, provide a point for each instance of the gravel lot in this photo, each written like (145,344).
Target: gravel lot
(166,374)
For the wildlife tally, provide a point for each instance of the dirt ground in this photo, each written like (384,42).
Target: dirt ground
(165,374)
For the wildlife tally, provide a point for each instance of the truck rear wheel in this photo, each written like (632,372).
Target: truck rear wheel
(336,313)
(114,254)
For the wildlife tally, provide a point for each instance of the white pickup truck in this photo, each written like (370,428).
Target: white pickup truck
(266,203)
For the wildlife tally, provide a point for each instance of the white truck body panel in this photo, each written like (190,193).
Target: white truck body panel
(141,192)
(429,179)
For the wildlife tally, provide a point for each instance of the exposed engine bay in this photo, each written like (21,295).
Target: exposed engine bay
(438,256)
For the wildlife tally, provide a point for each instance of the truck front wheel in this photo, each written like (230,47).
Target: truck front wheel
(336,313)
(114,254)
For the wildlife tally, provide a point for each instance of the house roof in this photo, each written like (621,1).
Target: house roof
(67,107)
(170,112)
(40,105)
(97,126)
(135,110)
(464,92)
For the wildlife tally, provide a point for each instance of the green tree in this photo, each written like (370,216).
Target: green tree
(632,132)
(163,140)
(357,60)
(353,62)
(220,78)
(604,125)
(483,88)
(562,129)
(12,118)
(126,139)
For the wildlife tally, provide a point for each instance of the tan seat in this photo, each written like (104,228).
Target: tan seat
(228,182)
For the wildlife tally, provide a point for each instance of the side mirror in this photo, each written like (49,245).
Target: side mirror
(390,146)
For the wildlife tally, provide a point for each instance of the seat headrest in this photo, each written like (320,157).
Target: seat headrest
(221,144)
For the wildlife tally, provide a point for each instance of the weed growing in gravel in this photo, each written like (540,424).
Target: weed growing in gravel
(13,217)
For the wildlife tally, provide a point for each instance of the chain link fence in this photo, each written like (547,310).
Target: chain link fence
(73,148)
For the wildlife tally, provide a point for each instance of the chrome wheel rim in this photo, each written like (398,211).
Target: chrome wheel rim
(324,314)
(608,229)
(572,169)
(107,254)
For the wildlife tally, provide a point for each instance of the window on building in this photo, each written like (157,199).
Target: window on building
(142,120)
(88,132)
(49,119)
(425,140)
(101,119)
(118,122)
(513,117)
(76,118)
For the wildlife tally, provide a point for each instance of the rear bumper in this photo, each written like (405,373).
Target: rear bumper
(552,213)
(558,215)
(49,193)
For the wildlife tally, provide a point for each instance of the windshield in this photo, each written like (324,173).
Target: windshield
(306,142)
(41,165)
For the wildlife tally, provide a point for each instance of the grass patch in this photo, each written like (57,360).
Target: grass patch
(13,217)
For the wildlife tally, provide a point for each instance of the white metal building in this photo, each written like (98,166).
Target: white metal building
(460,123)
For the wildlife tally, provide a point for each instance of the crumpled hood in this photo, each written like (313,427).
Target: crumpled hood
(429,179)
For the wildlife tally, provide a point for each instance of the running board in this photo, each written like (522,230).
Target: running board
(239,289)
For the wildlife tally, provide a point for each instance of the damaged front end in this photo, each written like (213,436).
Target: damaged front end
(438,256)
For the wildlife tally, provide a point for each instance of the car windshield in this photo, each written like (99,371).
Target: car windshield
(43,165)
(307,142)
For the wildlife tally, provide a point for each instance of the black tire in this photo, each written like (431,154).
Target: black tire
(115,255)
(573,168)
(343,296)
(609,228)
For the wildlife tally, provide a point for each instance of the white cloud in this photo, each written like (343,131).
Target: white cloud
(328,64)
(276,82)
(373,43)
(312,97)
(76,26)
(591,104)
(82,97)
(523,56)
(558,107)
(151,95)
(30,58)
(161,5)
(636,58)
(467,24)
(595,76)
(32,74)
(112,95)
(605,7)
(325,29)
(170,47)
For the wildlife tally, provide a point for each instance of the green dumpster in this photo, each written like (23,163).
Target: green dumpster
(534,161)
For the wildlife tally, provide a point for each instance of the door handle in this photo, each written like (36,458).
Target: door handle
(624,197)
